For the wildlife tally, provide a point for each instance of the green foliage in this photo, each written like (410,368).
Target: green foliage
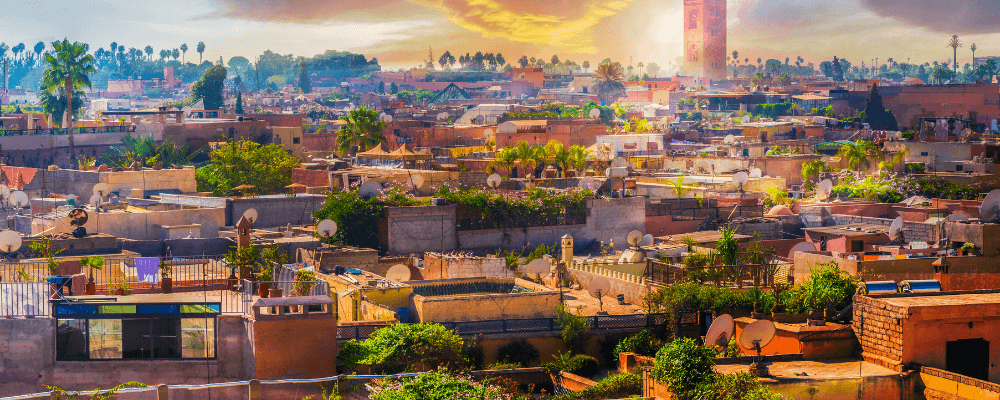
(826,286)
(876,115)
(43,247)
(727,247)
(778,150)
(305,280)
(575,331)
(578,364)
(507,212)
(362,132)
(776,196)
(732,348)
(518,352)
(68,71)
(246,257)
(209,88)
(304,83)
(440,385)
(683,365)
(916,168)
(239,103)
(501,365)
(267,167)
(617,386)
(403,345)
(772,111)
(92,263)
(357,218)
(738,386)
(98,394)
(642,343)
(145,151)
(909,135)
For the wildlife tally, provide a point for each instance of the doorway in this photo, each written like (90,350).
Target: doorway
(969,357)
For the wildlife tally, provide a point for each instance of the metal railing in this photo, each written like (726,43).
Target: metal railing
(200,271)
(63,131)
(762,275)
(499,326)
(238,295)
(25,299)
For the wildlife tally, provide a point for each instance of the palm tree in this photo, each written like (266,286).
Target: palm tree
(363,131)
(524,157)
(813,169)
(39,48)
(557,152)
(608,85)
(201,51)
(640,65)
(149,52)
(973,48)
(69,68)
(954,43)
(577,158)
(858,154)
(505,159)
(184,50)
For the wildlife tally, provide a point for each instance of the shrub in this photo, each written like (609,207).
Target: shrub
(403,345)
(642,343)
(826,285)
(518,352)
(613,387)
(579,364)
(738,386)
(440,385)
(683,365)
(575,329)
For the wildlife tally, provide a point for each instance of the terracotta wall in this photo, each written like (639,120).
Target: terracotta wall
(282,350)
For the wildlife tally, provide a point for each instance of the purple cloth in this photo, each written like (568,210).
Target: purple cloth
(147,269)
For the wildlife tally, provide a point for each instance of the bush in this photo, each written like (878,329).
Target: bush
(518,352)
(739,386)
(403,345)
(683,365)
(826,285)
(575,329)
(440,385)
(613,387)
(642,343)
(584,365)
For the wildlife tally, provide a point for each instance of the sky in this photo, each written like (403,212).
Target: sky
(400,32)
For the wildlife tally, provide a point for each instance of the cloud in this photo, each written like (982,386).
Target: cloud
(315,11)
(952,17)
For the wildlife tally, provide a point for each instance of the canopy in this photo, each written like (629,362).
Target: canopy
(378,152)
(405,154)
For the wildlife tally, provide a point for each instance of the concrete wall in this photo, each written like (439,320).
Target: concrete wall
(538,304)
(420,229)
(275,211)
(282,351)
(81,183)
(631,286)
(463,267)
(138,226)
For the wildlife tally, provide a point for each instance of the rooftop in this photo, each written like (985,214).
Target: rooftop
(850,230)
(944,299)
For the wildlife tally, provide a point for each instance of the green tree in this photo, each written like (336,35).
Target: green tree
(575,331)
(578,158)
(505,159)
(381,88)
(145,151)
(876,114)
(362,132)
(149,52)
(184,50)
(558,154)
(201,51)
(69,67)
(304,84)
(209,88)
(402,345)
(813,169)
(858,154)
(175,54)
(393,89)
(955,43)
(267,167)
(683,365)
(525,154)
(608,82)
(239,103)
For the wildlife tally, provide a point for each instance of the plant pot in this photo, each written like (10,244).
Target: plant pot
(90,289)
(830,313)
(167,284)
(757,315)
(816,315)
(275,293)
(789,318)
(262,289)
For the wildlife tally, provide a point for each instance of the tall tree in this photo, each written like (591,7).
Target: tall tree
(304,84)
(175,54)
(239,103)
(362,131)
(954,43)
(586,66)
(608,78)
(201,51)
(209,87)
(149,52)
(69,66)
(393,89)
(875,113)
(500,60)
(555,60)
(184,51)
(164,54)
(381,88)
(523,61)
(39,48)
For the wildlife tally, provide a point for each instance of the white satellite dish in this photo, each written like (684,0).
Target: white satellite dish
(251,215)
(745,119)
(619,162)
(538,266)
(990,209)
(95,200)
(599,287)
(823,189)
(398,273)
(487,132)
(416,181)
(369,189)
(896,229)
(386,118)
(634,238)
(804,246)
(442,116)
(493,181)
(757,335)
(326,228)
(647,240)
(102,189)
(19,199)
(10,241)
(741,178)
(729,139)
(586,183)
(720,332)
(756,173)
(594,113)
(959,216)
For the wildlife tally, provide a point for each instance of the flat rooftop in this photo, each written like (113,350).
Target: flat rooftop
(944,299)
(850,230)
(812,370)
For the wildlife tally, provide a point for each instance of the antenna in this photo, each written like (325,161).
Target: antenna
(647,240)
(720,332)
(756,336)
(251,215)
(368,189)
(95,201)
(745,119)
(326,228)
(804,246)
(442,116)
(729,139)
(538,267)
(599,288)
(493,181)
(989,211)
(20,199)
(896,230)
(10,241)
(755,173)
(102,189)
(398,273)
(634,238)
(739,179)
(823,189)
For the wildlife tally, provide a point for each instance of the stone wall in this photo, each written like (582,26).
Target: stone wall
(541,303)
(462,266)
(275,211)
(632,286)
(419,229)
(912,231)
(138,226)
(879,328)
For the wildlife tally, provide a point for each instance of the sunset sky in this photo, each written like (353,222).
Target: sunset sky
(398,32)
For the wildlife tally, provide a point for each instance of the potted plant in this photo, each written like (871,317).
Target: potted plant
(243,259)
(91,263)
(264,279)
(763,303)
(120,287)
(967,248)
(305,280)
(44,248)
(785,310)
(272,257)
(166,279)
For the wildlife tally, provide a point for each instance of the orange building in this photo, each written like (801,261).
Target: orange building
(534,76)
(909,103)
(705,38)
(569,132)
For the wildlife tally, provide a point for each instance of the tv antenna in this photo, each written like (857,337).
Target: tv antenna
(823,190)
(102,189)
(368,189)
(989,211)
(19,200)
(720,332)
(398,273)
(10,241)
(599,288)
(251,215)
(634,238)
(756,336)
(594,113)
(326,228)
(537,267)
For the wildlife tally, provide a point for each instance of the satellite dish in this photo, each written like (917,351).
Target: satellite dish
(487,132)
(78,217)
(721,331)
(95,200)
(755,173)
(990,209)
(416,181)
(594,113)
(19,198)
(368,189)
(804,246)
(647,240)
(896,229)
(757,335)
(959,216)
(493,181)
(586,183)
(250,214)
(102,189)
(599,287)
(326,228)
(745,119)
(634,238)
(729,139)
(823,189)
(537,266)
(442,116)
(741,178)
(4,192)
(386,118)
(398,273)
(10,241)
(619,162)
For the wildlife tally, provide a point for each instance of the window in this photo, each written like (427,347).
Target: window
(693,21)
(296,140)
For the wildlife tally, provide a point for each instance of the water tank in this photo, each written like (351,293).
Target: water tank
(877,287)
(922,286)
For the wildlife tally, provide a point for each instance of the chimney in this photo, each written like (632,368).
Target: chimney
(567,249)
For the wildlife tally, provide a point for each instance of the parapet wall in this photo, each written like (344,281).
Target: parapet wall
(541,303)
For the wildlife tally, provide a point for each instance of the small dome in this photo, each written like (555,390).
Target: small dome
(779,210)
